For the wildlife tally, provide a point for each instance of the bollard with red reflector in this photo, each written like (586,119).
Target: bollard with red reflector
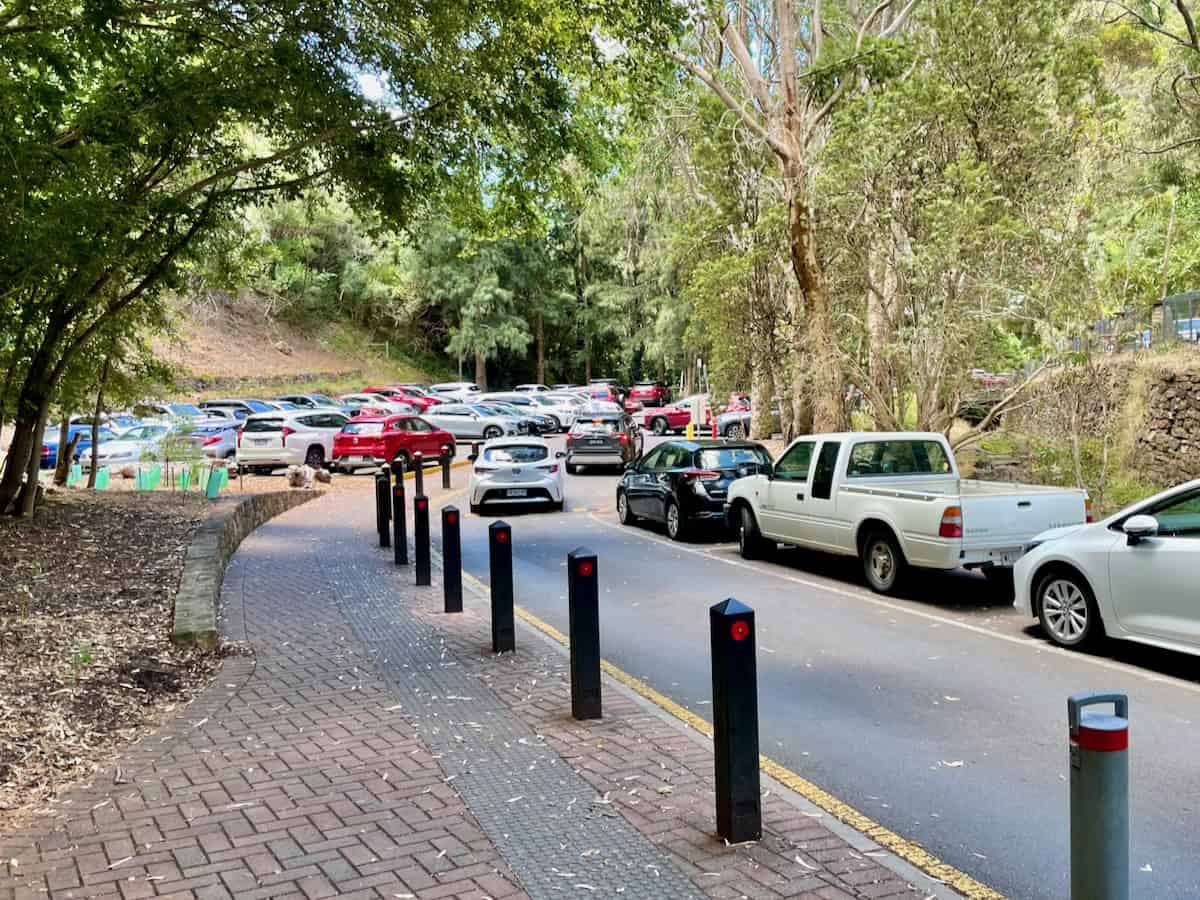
(445,461)
(735,721)
(418,473)
(399,516)
(1099,797)
(451,560)
(421,538)
(583,602)
(504,631)
(383,508)
(714,429)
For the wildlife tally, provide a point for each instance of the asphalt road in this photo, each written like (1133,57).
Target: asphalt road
(941,715)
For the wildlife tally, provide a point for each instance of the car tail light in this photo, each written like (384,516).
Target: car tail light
(484,470)
(45,450)
(952,523)
(552,468)
(212,439)
(1087,510)
(702,474)
(239,437)
(623,438)
(284,434)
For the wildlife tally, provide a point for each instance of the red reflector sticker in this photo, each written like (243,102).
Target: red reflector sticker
(739,630)
(501,537)
(1101,739)
(586,569)
(451,518)
(421,504)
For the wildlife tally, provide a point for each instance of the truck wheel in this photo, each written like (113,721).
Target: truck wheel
(750,540)
(735,432)
(491,433)
(315,457)
(1067,609)
(883,563)
(659,426)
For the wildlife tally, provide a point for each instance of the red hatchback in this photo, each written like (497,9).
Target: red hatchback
(664,419)
(403,395)
(371,441)
(651,393)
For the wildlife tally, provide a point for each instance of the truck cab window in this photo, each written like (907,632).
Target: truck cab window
(822,483)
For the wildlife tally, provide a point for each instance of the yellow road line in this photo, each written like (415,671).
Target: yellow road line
(910,852)
(410,474)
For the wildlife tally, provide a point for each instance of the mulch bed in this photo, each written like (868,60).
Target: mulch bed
(86,661)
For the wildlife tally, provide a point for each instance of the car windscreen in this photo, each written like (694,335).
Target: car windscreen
(258,406)
(874,459)
(524,453)
(597,426)
(322,400)
(493,410)
(365,428)
(542,401)
(732,457)
(185,409)
(263,425)
(211,429)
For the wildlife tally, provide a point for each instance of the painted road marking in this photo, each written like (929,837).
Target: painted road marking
(876,600)
(907,850)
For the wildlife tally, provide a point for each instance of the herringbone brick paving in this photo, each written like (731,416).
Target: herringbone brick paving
(330,763)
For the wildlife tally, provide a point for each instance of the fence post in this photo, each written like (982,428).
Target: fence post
(735,721)
(583,592)
(418,473)
(1099,797)
(500,562)
(399,517)
(445,467)
(421,537)
(383,510)
(451,560)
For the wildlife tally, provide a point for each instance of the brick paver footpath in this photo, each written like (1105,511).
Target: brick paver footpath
(370,746)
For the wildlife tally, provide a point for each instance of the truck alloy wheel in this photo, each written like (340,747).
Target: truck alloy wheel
(735,431)
(883,563)
(659,426)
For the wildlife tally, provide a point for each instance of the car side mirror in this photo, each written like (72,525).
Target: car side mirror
(1138,528)
(561,454)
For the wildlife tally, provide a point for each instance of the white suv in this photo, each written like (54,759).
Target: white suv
(290,438)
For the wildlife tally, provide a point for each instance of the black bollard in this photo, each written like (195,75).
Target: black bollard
(418,473)
(583,589)
(500,558)
(451,560)
(399,517)
(383,508)
(445,467)
(735,721)
(421,537)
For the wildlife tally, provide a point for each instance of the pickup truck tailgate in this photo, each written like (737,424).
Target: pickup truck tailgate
(997,514)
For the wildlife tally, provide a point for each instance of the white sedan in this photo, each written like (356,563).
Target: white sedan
(516,471)
(1132,576)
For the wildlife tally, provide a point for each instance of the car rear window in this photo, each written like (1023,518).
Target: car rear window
(366,428)
(523,453)
(732,457)
(263,425)
(874,459)
(597,426)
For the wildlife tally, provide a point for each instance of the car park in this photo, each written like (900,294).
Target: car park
(651,393)
(601,437)
(516,471)
(472,422)
(1131,576)
(895,500)
(685,483)
(50,438)
(141,443)
(371,441)
(270,441)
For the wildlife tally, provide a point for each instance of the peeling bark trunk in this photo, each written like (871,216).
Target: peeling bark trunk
(760,393)
(480,371)
(541,349)
(96,420)
(66,449)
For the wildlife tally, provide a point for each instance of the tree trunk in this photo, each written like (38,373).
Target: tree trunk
(541,349)
(96,420)
(480,371)
(828,408)
(65,451)
(761,383)
(27,500)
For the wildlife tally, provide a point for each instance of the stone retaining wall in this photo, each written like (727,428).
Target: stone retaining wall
(1167,448)
(209,553)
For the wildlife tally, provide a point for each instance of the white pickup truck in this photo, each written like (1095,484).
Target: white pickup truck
(894,500)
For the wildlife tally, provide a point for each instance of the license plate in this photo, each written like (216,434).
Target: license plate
(596,442)
(261,443)
(516,492)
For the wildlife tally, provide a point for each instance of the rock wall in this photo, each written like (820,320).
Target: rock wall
(209,553)
(1167,445)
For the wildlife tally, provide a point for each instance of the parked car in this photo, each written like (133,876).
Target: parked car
(1131,576)
(310,401)
(738,402)
(532,389)
(469,421)
(528,405)
(270,441)
(150,409)
(516,471)
(562,410)
(371,441)
(651,393)
(735,425)
(456,391)
(675,416)
(604,392)
(117,422)
(376,401)
(684,483)
(895,500)
(83,447)
(240,408)
(218,437)
(419,402)
(602,438)
(528,421)
(139,444)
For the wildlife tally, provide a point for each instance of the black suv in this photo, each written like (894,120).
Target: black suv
(602,438)
(681,483)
